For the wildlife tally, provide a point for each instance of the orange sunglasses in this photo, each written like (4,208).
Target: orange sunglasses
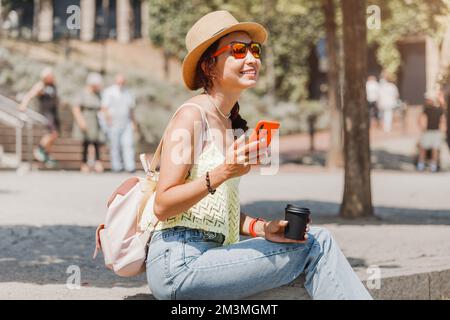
(239,49)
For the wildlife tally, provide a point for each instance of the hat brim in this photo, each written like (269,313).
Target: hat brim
(256,31)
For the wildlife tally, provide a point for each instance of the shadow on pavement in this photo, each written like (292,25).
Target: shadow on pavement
(314,158)
(140,296)
(381,159)
(328,213)
(42,255)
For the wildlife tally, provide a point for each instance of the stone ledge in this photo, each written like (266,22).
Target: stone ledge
(433,285)
(421,286)
(291,291)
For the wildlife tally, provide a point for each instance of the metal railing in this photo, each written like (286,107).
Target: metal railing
(11,116)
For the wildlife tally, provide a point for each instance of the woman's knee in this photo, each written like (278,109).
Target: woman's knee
(323,237)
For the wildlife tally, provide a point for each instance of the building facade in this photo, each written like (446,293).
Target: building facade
(123,20)
(422,61)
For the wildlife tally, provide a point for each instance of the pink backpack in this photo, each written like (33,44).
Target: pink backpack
(121,239)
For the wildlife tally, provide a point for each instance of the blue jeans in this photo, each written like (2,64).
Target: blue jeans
(122,148)
(184,263)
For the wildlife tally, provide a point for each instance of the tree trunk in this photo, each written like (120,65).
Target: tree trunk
(1,19)
(357,200)
(334,155)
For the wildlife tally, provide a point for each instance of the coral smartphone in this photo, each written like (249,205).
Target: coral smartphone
(267,125)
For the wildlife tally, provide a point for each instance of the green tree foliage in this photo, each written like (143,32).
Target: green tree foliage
(402,18)
(294,28)
(171,19)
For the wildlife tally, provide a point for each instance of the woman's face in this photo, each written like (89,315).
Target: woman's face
(232,73)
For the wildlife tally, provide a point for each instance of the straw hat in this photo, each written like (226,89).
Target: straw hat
(206,31)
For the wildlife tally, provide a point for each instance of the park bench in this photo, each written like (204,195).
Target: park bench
(66,151)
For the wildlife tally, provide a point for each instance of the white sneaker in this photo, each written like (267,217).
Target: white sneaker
(39,154)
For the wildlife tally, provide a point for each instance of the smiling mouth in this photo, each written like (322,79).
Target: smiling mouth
(250,72)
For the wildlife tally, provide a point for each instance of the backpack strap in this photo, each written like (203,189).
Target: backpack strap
(150,168)
(98,244)
(149,190)
(157,155)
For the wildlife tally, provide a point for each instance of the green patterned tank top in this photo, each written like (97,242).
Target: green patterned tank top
(218,212)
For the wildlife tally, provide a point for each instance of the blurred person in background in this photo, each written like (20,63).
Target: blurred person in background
(118,104)
(431,122)
(388,98)
(45,91)
(372,92)
(11,23)
(87,127)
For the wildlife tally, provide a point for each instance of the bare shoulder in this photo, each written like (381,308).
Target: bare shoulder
(199,100)
(189,113)
(188,119)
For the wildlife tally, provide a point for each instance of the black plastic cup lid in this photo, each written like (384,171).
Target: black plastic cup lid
(298,210)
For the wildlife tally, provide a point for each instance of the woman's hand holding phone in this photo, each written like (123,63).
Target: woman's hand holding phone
(264,126)
(242,155)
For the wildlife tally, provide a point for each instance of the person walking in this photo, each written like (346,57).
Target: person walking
(196,252)
(118,104)
(87,127)
(372,93)
(387,100)
(45,92)
(431,122)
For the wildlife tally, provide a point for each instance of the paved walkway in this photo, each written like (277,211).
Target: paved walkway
(48,219)
(395,150)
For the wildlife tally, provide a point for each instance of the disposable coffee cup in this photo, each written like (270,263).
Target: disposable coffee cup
(297,218)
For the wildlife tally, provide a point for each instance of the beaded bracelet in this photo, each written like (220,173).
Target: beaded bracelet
(208,184)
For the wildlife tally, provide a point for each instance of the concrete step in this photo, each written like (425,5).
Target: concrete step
(11,140)
(66,150)
(69,157)
(74,165)
(294,290)
(434,285)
